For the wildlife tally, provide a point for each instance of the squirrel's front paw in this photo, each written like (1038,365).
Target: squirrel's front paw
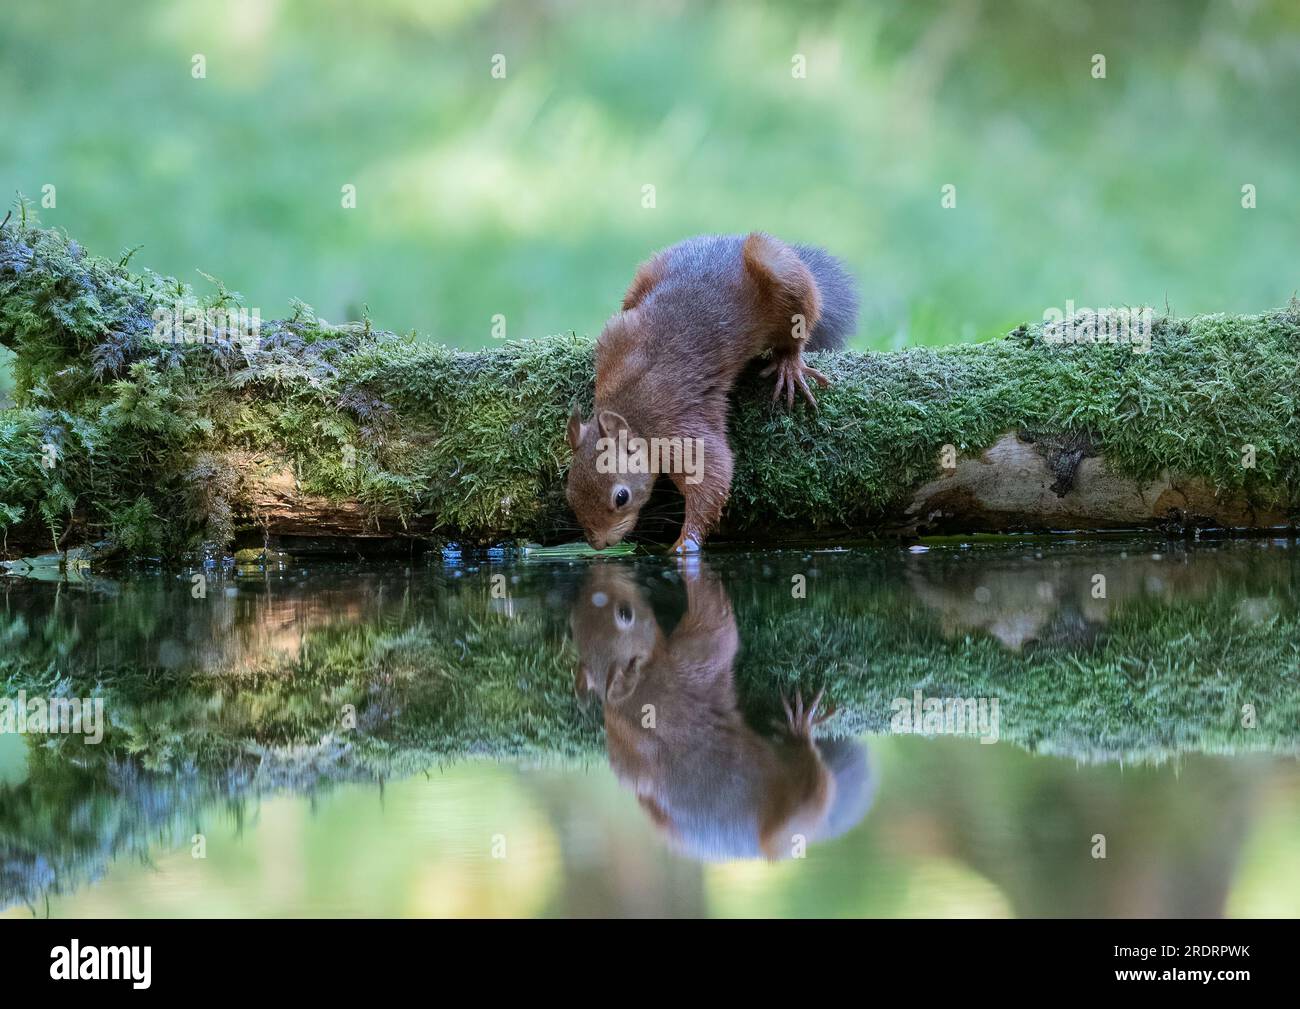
(686,544)
(800,721)
(790,371)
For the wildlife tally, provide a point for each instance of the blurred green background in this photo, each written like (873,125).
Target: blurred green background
(522,196)
(958,830)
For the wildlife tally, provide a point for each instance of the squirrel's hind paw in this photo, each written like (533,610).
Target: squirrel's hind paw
(800,721)
(790,371)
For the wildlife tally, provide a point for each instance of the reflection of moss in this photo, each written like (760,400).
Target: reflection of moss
(445,671)
(448,677)
(472,443)
(1154,686)
(62,827)
(235,696)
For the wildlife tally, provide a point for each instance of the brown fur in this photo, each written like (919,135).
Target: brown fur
(707,780)
(693,317)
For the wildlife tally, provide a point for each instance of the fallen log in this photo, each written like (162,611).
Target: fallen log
(127,433)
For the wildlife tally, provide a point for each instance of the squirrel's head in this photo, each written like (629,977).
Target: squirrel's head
(615,631)
(609,482)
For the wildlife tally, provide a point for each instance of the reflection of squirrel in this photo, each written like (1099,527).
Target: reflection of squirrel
(694,316)
(675,734)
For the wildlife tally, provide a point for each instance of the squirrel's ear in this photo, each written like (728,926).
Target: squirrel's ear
(785,284)
(575,427)
(623,682)
(610,423)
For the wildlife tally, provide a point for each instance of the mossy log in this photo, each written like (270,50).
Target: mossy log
(164,448)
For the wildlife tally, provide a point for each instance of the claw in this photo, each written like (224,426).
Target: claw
(812,708)
(803,386)
(790,371)
(801,720)
(686,544)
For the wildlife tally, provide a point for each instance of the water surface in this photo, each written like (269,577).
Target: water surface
(552,735)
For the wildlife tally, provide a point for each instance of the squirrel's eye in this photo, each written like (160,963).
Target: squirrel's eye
(621,496)
(623,617)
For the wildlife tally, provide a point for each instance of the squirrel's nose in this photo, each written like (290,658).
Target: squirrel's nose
(597,543)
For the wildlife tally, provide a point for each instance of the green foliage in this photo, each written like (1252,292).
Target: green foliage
(521,196)
(135,527)
(20,470)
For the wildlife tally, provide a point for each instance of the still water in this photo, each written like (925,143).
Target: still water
(1005,728)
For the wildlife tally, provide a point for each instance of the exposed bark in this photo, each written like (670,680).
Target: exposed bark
(1014,485)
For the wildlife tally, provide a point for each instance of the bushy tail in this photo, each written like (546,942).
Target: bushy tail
(839,300)
(855,785)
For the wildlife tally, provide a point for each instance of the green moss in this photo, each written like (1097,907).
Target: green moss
(1208,386)
(472,443)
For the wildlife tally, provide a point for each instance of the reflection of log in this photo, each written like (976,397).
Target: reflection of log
(347,432)
(1068,602)
(242,693)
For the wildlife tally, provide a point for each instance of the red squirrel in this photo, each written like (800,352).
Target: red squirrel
(676,737)
(694,316)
